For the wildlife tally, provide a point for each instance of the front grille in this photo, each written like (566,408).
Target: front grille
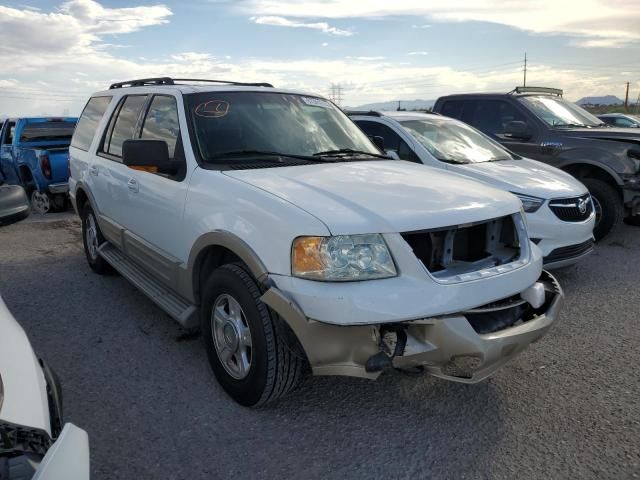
(566,253)
(466,248)
(576,209)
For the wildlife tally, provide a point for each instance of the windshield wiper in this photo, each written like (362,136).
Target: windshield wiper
(349,152)
(278,156)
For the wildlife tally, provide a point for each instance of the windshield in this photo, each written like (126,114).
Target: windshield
(557,112)
(236,122)
(452,141)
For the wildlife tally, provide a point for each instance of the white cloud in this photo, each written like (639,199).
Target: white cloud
(324,44)
(418,53)
(67,48)
(285,22)
(613,20)
(421,26)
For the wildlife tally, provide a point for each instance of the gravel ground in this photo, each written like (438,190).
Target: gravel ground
(141,386)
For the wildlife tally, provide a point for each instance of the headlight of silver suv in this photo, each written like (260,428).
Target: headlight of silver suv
(529,203)
(342,258)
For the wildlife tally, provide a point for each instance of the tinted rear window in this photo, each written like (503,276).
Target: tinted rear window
(89,121)
(53,131)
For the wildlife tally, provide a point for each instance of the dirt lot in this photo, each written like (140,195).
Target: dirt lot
(141,386)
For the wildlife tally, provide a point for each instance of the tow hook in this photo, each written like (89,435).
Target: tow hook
(393,340)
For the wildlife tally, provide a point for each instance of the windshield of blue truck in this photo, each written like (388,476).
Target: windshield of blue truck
(452,141)
(228,123)
(55,131)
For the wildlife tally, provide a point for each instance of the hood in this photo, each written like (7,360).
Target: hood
(524,176)
(619,134)
(25,389)
(381,196)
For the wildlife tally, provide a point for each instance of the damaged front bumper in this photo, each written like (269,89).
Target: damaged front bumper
(465,347)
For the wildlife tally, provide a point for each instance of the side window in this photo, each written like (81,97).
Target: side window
(89,121)
(161,122)
(406,153)
(391,139)
(622,122)
(123,124)
(453,109)
(491,116)
(8,133)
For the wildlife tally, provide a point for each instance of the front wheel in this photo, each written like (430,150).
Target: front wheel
(250,353)
(607,204)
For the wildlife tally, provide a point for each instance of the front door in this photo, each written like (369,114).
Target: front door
(156,200)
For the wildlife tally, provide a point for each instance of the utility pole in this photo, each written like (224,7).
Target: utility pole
(335,94)
(524,83)
(626,98)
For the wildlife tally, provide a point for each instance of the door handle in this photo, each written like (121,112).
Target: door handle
(93,170)
(132,184)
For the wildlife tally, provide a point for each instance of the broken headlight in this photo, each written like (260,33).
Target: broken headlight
(342,258)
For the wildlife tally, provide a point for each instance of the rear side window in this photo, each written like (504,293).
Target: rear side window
(161,122)
(125,123)
(89,121)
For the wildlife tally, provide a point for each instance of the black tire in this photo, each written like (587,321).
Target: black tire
(98,264)
(59,202)
(634,220)
(275,368)
(610,203)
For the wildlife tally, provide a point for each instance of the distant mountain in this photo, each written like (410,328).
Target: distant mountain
(604,100)
(393,105)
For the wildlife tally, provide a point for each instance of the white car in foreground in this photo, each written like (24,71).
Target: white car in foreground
(267,217)
(33,442)
(560,213)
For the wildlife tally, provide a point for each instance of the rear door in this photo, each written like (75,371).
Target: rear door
(109,174)
(156,199)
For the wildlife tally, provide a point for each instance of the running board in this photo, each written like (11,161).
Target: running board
(177,307)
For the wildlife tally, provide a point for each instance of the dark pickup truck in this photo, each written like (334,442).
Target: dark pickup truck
(538,123)
(34,153)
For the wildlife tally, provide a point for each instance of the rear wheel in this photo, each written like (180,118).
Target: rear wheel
(92,239)
(608,206)
(248,348)
(40,201)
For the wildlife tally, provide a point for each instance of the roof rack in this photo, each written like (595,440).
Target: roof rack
(548,91)
(172,81)
(367,113)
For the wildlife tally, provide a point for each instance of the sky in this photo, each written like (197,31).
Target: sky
(55,54)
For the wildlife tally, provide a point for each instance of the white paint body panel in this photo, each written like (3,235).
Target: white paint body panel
(25,388)
(525,176)
(68,457)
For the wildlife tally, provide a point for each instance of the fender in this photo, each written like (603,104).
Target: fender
(188,281)
(566,163)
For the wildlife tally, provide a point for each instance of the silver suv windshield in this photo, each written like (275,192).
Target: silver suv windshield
(452,141)
(229,126)
(557,112)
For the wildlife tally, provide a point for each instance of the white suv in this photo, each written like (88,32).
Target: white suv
(269,219)
(560,213)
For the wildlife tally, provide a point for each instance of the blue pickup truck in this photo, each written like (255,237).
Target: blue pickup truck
(34,153)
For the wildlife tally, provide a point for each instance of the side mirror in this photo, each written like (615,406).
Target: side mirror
(147,153)
(517,129)
(378,142)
